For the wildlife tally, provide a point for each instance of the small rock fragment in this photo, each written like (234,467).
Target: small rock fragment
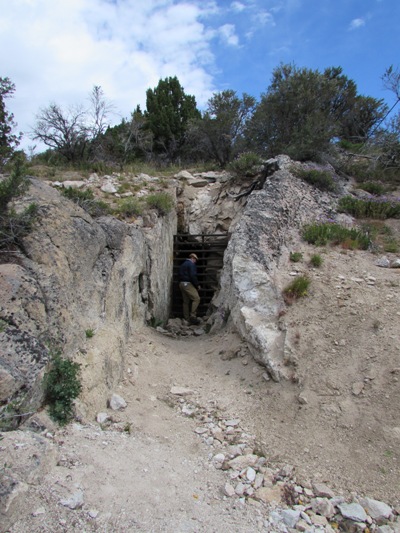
(117,403)
(181,391)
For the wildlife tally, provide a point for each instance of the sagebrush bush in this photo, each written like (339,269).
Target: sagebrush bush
(296,289)
(378,208)
(161,201)
(61,386)
(322,233)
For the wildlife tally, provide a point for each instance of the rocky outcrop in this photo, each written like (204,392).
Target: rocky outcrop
(250,295)
(76,275)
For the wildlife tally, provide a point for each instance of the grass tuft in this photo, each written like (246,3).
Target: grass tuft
(296,289)
(296,257)
(316,260)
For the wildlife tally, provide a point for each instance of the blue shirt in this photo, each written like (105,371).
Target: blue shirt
(188,272)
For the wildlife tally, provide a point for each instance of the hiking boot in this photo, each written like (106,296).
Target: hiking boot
(193,320)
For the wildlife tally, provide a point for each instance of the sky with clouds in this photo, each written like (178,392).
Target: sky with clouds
(57,50)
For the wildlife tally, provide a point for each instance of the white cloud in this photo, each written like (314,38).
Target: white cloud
(238,7)
(264,18)
(228,34)
(356,23)
(56,51)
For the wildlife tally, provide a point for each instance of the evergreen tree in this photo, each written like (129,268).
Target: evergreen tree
(8,140)
(168,112)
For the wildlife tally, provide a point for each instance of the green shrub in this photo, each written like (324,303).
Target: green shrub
(316,260)
(322,179)
(296,289)
(373,188)
(89,333)
(322,233)
(12,187)
(161,201)
(365,171)
(381,235)
(79,196)
(11,414)
(13,225)
(245,163)
(378,208)
(295,257)
(351,147)
(129,207)
(61,386)
(86,200)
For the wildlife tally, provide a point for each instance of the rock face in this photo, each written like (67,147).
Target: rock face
(249,293)
(78,274)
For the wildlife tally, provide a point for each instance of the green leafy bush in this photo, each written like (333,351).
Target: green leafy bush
(322,233)
(244,164)
(296,289)
(316,260)
(89,333)
(161,201)
(322,179)
(61,386)
(378,208)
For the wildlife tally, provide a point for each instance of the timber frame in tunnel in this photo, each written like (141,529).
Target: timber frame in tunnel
(210,249)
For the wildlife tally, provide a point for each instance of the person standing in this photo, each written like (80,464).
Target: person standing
(189,286)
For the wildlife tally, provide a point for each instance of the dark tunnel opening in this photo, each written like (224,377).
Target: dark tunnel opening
(210,249)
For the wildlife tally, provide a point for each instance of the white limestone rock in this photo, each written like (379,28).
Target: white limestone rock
(117,403)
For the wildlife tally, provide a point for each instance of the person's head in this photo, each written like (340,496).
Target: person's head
(193,258)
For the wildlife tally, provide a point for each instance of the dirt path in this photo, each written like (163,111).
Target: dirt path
(152,469)
(149,470)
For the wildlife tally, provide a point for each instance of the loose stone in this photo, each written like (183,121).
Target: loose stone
(353,511)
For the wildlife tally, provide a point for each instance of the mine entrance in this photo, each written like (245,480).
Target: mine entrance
(210,251)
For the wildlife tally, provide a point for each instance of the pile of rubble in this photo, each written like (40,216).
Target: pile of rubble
(290,503)
(179,327)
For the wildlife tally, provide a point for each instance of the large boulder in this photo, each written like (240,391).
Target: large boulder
(250,295)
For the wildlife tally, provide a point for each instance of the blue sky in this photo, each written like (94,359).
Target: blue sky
(57,50)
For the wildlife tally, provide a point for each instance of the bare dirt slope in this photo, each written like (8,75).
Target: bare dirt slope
(336,421)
